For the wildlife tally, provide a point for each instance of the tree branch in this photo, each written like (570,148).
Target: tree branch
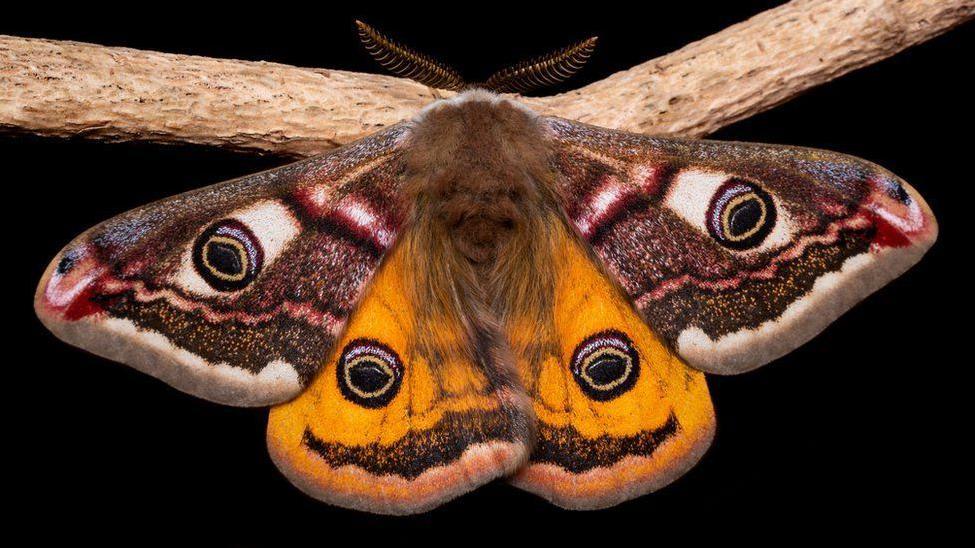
(757,64)
(67,88)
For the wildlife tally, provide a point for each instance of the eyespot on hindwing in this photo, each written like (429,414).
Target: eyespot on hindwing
(369,373)
(606,365)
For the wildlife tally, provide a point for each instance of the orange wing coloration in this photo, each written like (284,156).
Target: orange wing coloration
(619,415)
(383,430)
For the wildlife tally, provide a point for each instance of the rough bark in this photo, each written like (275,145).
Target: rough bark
(757,64)
(57,88)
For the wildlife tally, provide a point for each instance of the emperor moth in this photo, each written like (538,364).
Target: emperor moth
(484,292)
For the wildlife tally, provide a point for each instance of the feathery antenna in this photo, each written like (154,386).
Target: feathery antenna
(407,63)
(542,71)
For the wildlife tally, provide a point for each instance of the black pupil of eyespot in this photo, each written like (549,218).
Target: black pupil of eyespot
(606,369)
(745,216)
(225,258)
(368,376)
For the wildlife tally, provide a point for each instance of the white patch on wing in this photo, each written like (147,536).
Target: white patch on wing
(270,220)
(362,217)
(831,295)
(690,195)
(152,353)
(605,198)
(782,233)
(273,224)
(279,372)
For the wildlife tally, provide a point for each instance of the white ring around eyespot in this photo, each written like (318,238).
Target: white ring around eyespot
(690,195)
(269,220)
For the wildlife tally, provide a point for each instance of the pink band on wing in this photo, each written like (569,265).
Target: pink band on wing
(601,205)
(350,213)
(646,177)
(360,218)
(859,221)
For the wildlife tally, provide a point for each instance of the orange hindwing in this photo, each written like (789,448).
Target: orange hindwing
(619,414)
(381,429)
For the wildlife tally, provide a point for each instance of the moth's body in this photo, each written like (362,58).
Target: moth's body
(483,166)
(483,292)
(485,215)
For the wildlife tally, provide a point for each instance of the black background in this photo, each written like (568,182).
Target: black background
(857,431)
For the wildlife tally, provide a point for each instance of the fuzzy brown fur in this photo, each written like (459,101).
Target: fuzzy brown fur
(485,224)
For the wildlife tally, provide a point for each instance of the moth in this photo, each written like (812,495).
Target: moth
(483,292)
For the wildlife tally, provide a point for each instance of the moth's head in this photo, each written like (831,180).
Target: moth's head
(542,71)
